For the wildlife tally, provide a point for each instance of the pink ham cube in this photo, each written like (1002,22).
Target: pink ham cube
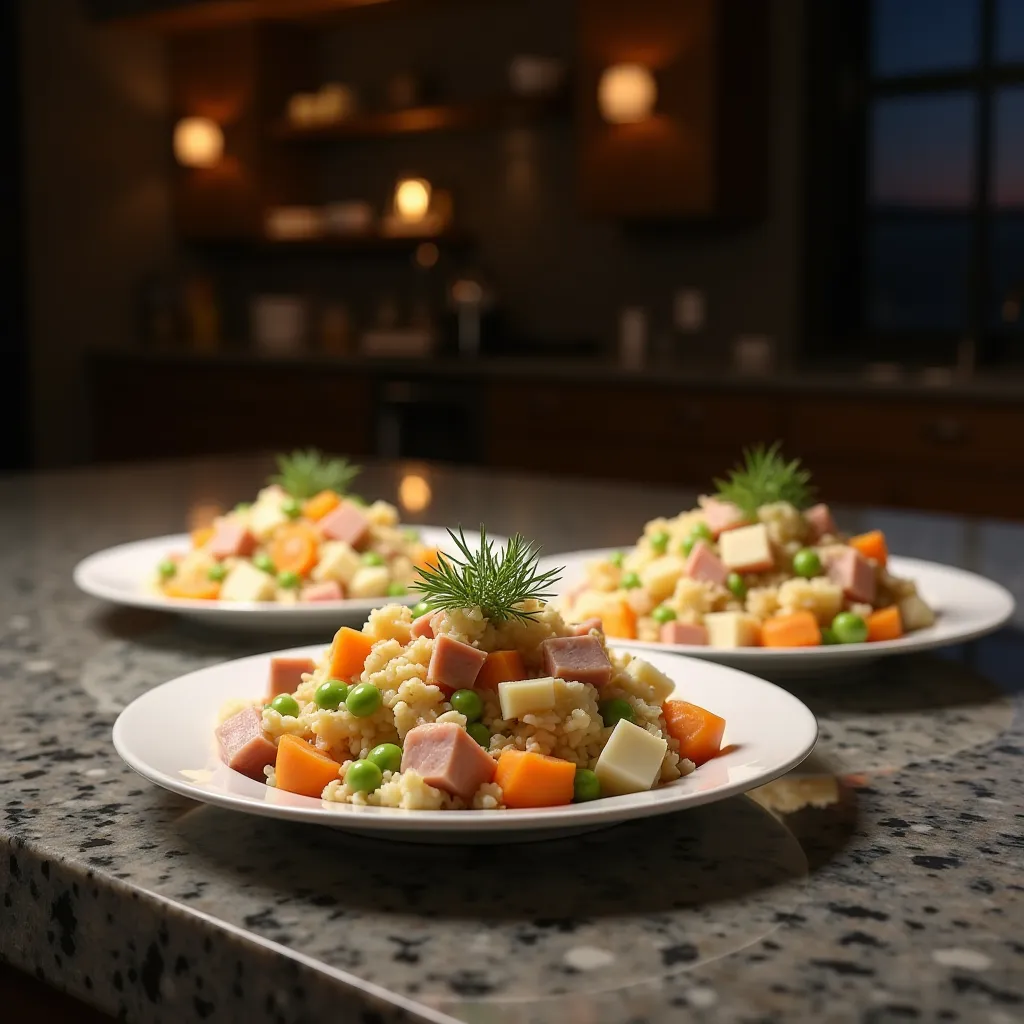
(231,540)
(704,564)
(721,515)
(819,519)
(855,574)
(454,665)
(422,626)
(447,758)
(579,658)
(243,745)
(346,523)
(583,628)
(683,633)
(329,590)
(286,674)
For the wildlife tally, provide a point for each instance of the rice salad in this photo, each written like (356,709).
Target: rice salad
(468,707)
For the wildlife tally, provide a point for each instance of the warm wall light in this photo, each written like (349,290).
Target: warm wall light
(626,93)
(198,142)
(414,493)
(412,199)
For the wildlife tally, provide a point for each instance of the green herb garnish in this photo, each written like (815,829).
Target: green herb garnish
(304,474)
(497,583)
(765,477)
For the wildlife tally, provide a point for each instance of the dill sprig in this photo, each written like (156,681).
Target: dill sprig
(497,583)
(765,477)
(304,474)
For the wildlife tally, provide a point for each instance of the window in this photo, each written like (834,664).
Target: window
(916,161)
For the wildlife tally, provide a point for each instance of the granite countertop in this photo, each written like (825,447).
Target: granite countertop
(879,882)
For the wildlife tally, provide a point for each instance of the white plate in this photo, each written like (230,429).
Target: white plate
(166,735)
(968,606)
(120,575)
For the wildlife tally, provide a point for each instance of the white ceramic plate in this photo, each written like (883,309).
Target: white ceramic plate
(120,575)
(166,735)
(968,606)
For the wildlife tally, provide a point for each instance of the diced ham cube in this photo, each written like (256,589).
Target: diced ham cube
(855,574)
(819,519)
(286,674)
(244,746)
(579,658)
(704,564)
(583,628)
(683,633)
(422,626)
(231,540)
(448,758)
(721,515)
(346,523)
(329,590)
(454,665)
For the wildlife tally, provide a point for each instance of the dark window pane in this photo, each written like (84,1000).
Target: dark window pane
(910,37)
(1009,31)
(922,152)
(1007,267)
(917,273)
(1008,165)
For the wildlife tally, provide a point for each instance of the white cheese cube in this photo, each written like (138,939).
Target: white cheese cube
(915,614)
(631,760)
(747,549)
(265,517)
(338,561)
(659,688)
(247,583)
(369,581)
(731,629)
(526,697)
(660,576)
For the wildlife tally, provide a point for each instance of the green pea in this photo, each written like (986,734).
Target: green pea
(468,703)
(167,569)
(616,709)
(659,542)
(286,705)
(702,532)
(387,757)
(410,534)
(421,608)
(263,562)
(734,581)
(363,700)
(217,572)
(292,508)
(616,559)
(363,776)
(849,628)
(630,581)
(828,636)
(397,590)
(372,558)
(288,579)
(586,786)
(806,563)
(330,695)
(356,499)
(480,733)
(243,506)
(663,614)
(687,545)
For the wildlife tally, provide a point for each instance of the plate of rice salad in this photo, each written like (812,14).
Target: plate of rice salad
(760,574)
(305,550)
(487,716)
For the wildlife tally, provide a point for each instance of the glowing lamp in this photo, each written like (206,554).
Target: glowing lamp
(626,93)
(414,493)
(198,142)
(412,199)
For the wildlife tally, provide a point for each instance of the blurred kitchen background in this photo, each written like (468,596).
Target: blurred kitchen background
(570,236)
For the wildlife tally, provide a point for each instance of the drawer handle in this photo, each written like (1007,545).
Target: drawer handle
(945,430)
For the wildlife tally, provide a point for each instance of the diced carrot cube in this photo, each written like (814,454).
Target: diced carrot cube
(500,667)
(872,545)
(528,779)
(697,730)
(619,620)
(348,653)
(797,629)
(319,505)
(303,769)
(885,624)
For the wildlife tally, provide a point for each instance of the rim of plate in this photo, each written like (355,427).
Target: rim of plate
(608,810)
(942,634)
(88,576)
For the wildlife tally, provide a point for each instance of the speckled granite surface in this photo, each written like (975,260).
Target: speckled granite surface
(881,882)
